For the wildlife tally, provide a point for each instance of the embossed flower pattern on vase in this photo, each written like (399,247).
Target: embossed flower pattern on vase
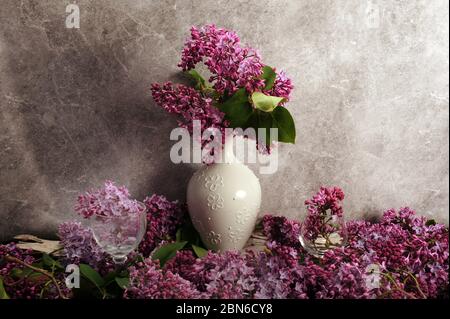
(214,238)
(234,234)
(242,216)
(213,182)
(215,201)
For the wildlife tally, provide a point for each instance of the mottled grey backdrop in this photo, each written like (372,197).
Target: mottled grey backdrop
(371,101)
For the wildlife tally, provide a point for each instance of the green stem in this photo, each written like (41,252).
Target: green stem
(392,280)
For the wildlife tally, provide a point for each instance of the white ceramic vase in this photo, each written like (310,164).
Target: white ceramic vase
(223,201)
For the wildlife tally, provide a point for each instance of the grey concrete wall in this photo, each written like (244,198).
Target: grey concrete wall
(371,101)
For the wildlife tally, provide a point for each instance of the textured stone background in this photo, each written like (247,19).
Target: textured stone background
(371,101)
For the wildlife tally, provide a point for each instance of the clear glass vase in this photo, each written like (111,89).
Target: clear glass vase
(119,235)
(322,232)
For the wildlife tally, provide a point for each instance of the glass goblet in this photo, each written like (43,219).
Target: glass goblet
(119,235)
(322,232)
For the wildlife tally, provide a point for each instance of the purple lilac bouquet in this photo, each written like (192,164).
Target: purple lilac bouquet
(241,92)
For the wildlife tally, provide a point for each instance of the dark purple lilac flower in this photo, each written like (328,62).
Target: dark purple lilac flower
(189,104)
(324,215)
(163,219)
(232,65)
(282,86)
(281,230)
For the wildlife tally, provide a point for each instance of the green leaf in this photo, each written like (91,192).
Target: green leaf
(199,251)
(188,233)
(87,290)
(3,294)
(178,234)
(50,262)
(237,108)
(430,222)
(21,273)
(283,120)
(139,258)
(166,252)
(265,103)
(89,273)
(264,120)
(109,278)
(269,77)
(123,282)
(200,82)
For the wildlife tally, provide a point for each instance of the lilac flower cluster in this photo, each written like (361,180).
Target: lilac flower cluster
(226,276)
(108,201)
(164,217)
(282,86)
(411,253)
(324,210)
(147,281)
(189,104)
(410,258)
(80,247)
(229,275)
(232,66)
(326,198)
(282,230)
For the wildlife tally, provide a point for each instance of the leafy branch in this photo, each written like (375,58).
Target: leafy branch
(39,270)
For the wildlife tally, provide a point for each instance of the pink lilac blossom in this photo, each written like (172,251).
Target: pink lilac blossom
(404,248)
(164,217)
(189,104)
(281,230)
(282,86)
(226,275)
(324,210)
(278,272)
(232,66)
(80,247)
(108,201)
(326,198)
(148,281)
(183,264)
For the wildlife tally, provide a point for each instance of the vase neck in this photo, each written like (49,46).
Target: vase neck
(228,150)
